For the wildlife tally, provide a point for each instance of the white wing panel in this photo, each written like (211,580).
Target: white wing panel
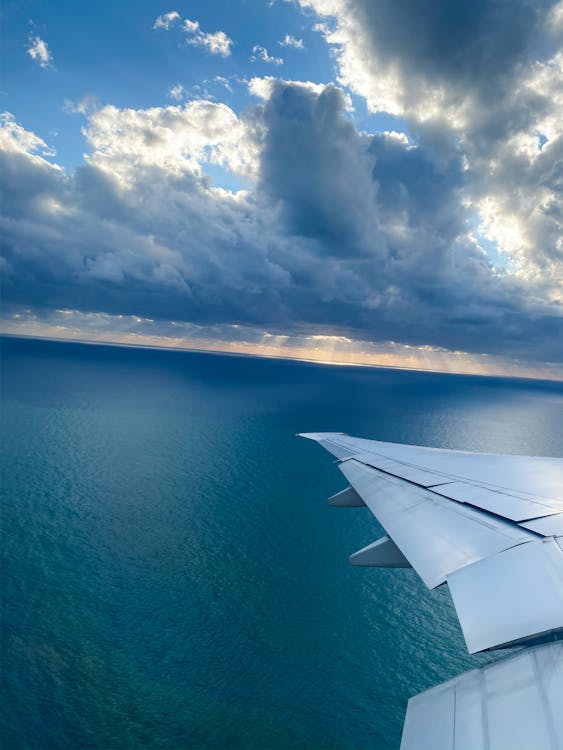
(405,471)
(469,719)
(436,535)
(510,597)
(501,503)
(515,701)
(549,526)
(430,721)
(532,477)
(549,663)
(511,704)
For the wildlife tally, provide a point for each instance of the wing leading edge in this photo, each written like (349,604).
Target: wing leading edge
(491,527)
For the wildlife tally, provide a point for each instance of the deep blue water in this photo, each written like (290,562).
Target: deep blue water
(172,577)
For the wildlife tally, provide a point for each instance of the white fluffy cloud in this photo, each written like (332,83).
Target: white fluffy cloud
(261,53)
(166,20)
(175,139)
(216,42)
(39,51)
(177,92)
(291,41)
(16,139)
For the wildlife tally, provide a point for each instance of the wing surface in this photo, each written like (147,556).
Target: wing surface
(489,526)
(519,488)
(514,703)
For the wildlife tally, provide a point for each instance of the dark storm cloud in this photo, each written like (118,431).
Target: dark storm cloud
(466,43)
(468,47)
(319,168)
(404,266)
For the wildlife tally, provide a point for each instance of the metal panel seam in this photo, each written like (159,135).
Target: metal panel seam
(484,712)
(544,701)
(455,708)
(442,497)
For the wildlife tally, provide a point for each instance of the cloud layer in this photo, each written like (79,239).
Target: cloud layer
(447,236)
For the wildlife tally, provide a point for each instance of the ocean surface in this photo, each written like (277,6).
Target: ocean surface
(172,577)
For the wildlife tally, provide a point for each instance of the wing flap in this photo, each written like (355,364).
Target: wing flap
(430,721)
(435,535)
(501,503)
(511,703)
(549,526)
(512,597)
(400,469)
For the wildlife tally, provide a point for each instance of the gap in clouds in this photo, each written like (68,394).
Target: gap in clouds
(100,328)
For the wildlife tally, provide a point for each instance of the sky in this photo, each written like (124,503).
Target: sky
(341,180)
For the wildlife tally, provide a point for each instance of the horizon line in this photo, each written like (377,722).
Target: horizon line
(260,355)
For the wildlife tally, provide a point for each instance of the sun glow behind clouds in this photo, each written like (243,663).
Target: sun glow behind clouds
(330,349)
(411,198)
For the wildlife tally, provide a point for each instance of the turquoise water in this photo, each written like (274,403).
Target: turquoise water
(172,576)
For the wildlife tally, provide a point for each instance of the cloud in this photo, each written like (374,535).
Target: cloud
(483,80)
(263,88)
(132,330)
(216,43)
(339,232)
(261,53)
(16,139)
(167,20)
(446,237)
(39,51)
(177,92)
(225,82)
(414,59)
(207,89)
(175,139)
(83,106)
(291,41)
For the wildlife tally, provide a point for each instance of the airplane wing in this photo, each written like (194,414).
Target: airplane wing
(491,527)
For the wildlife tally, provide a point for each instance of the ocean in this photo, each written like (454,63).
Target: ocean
(172,577)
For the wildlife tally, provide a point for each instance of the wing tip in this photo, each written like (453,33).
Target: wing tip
(318,435)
